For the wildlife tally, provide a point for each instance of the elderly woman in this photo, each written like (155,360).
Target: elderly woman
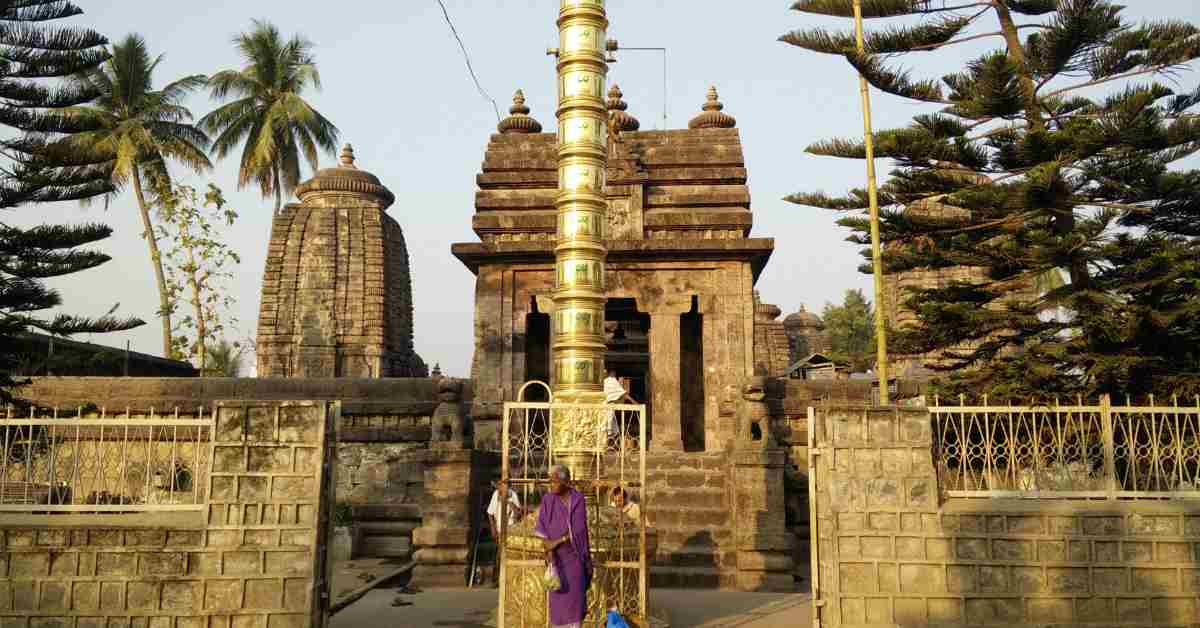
(562,526)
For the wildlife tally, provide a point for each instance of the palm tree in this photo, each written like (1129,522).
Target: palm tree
(136,131)
(268,117)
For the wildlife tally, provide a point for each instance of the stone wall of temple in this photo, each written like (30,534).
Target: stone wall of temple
(772,348)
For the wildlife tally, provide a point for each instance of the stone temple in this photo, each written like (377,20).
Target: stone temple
(412,456)
(681,269)
(337,295)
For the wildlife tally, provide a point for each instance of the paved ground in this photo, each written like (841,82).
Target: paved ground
(471,609)
(354,578)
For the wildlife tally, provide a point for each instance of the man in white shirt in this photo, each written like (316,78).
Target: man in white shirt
(515,512)
(615,393)
(514,507)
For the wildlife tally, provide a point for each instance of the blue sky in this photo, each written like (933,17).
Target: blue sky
(396,86)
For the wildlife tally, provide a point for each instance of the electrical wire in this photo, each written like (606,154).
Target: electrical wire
(467,58)
(664,55)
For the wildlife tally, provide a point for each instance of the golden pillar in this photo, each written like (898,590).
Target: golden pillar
(578,324)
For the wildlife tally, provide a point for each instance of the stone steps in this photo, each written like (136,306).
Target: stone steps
(388,528)
(703,555)
(691,578)
(386,546)
(382,537)
(687,502)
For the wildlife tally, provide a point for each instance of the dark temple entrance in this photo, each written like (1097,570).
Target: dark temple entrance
(627,333)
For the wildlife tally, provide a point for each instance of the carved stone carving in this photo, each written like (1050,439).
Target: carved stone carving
(620,223)
(448,421)
(754,428)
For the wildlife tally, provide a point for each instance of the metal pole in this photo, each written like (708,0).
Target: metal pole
(579,293)
(873,198)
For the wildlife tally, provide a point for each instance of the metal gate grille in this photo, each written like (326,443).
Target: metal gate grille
(605,446)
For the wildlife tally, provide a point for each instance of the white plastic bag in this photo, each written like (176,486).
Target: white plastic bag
(550,579)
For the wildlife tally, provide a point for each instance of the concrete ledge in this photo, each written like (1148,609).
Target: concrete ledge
(140,393)
(171,520)
(1120,507)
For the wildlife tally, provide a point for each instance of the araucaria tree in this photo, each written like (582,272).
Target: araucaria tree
(31,104)
(134,130)
(1057,153)
(269,117)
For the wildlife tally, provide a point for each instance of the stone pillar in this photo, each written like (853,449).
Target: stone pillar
(763,541)
(764,544)
(664,381)
(444,538)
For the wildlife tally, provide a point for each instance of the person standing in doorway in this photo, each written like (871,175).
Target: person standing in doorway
(615,393)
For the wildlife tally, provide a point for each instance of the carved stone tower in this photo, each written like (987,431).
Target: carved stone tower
(337,295)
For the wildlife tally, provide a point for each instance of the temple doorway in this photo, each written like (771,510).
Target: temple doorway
(537,352)
(691,378)
(627,335)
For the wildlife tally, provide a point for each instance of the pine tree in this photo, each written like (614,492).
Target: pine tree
(1058,153)
(851,331)
(32,55)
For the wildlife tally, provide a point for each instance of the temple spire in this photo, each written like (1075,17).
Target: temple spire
(519,120)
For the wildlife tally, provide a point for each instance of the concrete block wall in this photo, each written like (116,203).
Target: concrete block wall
(892,552)
(249,560)
(384,431)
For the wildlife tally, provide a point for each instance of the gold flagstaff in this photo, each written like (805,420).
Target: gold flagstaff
(579,290)
(873,199)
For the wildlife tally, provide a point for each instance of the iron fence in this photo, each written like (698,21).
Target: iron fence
(101,463)
(604,445)
(1069,451)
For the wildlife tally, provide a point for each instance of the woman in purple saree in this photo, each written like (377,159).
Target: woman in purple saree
(562,526)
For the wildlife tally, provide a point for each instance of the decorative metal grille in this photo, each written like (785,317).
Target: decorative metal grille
(1073,451)
(104,464)
(605,446)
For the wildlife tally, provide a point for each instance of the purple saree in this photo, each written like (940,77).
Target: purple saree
(573,559)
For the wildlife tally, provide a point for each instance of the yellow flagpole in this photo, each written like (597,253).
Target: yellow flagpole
(873,199)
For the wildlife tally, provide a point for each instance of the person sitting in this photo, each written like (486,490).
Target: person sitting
(619,499)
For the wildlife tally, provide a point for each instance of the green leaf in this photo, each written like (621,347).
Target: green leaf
(894,82)
(870,8)
(1032,7)
(924,37)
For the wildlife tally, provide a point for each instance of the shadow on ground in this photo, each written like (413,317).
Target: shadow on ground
(473,608)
